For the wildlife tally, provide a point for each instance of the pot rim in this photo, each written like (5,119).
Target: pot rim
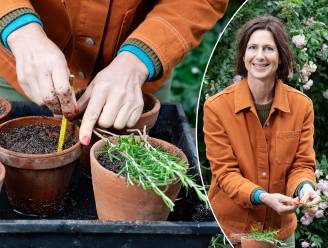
(155,108)
(7,107)
(100,143)
(76,146)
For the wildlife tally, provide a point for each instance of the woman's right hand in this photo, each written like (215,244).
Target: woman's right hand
(280,203)
(42,70)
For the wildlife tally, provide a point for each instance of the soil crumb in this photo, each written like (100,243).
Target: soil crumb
(35,139)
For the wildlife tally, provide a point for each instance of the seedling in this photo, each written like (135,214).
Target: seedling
(149,167)
(268,236)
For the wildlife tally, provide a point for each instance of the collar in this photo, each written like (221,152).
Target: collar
(243,97)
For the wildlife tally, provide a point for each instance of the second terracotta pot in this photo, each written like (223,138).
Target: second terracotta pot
(117,201)
(36,183)
(5,109)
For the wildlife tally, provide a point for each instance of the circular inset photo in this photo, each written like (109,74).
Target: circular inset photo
(262,133)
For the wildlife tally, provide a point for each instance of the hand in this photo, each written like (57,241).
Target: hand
(114,97)
(42,70)
(308,197)
(280,203)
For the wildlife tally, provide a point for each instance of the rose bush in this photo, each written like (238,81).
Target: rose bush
(307,25)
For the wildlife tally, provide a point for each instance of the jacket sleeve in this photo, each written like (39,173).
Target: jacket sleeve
(7,6)
(303,166)
(174,27)
(224,165)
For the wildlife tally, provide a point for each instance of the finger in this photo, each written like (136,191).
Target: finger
(113,105)
(305,197)
(286,209)
(47,93)
(314,198)
(134,117)
(35,94)
(83,101)
(287,200)
(122,117)
(136,113)
(63,91)
(29,78)
(90,117)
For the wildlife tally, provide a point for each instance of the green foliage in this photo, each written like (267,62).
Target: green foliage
(219,241)
(150,167)
(265,236)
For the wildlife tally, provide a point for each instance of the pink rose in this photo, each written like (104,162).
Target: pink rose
(309,21)
(319,214)
(299,40)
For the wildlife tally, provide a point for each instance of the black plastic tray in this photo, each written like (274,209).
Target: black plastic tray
(77,225)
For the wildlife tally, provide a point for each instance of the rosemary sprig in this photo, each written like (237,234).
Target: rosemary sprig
(150,167)
(268,236)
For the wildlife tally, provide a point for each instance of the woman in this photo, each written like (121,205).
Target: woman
(259,138)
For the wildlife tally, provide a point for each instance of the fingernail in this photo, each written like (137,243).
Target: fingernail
(77,110)
(85,140)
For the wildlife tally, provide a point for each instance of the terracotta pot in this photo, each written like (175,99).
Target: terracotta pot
(7,109)
(2,174)
(36,183)
(117,201)
(252,243)
(148,118)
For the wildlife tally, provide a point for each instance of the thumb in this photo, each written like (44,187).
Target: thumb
(287,200)
(305,196)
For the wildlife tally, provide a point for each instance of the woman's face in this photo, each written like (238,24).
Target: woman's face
(261,56)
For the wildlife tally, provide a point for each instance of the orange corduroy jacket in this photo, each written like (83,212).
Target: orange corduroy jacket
(169,27)
(244,155)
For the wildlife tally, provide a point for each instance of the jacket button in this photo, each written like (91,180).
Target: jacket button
(90,41)
(81,74)
(264,173)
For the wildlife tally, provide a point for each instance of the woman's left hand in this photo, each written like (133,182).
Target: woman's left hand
(309,196)
(114,97)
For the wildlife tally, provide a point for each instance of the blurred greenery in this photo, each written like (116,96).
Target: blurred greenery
(188,74)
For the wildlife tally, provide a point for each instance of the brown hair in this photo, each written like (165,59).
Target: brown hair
(279,33)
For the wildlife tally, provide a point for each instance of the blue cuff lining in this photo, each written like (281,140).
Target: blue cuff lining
(142,56)
(255,198)
(300,186)
(16,24)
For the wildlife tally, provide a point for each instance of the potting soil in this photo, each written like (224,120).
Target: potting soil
(147,107)
(35,139)
(114,165)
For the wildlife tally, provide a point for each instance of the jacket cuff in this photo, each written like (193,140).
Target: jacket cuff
(255,196)
(300,186)
(245,195)
(146,55)
(14,20)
